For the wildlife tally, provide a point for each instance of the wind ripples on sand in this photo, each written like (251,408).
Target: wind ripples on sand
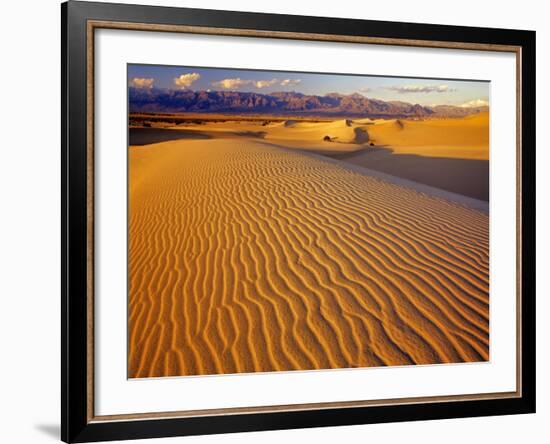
(249,258)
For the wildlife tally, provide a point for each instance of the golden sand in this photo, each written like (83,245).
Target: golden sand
(246,256)
(466,138)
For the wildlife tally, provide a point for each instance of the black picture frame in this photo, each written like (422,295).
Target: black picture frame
(76,423)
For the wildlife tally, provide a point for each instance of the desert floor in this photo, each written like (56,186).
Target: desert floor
(259,248)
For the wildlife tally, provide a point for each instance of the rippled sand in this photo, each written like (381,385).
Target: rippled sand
(248,257)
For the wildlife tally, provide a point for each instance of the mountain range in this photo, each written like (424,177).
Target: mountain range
(156,100)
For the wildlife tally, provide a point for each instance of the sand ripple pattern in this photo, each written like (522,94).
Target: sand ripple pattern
(244,257)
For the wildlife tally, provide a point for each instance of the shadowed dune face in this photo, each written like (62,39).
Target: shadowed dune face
(469,177)
(146,136)
(245,257)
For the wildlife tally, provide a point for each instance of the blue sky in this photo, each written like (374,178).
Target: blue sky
(412,90)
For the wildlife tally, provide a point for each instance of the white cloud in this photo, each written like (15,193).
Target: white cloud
(237,83)
(265,83)
(364,90)
(231,83)
(140,82)
(290,82)
(475,103)
(421,89)
(186,80)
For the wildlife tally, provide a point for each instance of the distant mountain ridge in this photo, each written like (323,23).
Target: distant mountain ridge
(284,103)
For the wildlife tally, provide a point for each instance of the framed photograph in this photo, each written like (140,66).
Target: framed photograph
(275,221)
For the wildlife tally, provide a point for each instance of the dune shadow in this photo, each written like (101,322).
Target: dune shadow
(147,136)
(469,177)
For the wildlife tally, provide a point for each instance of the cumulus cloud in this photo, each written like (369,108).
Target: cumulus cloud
(237,83)
(421,89)
(231,83)
(265,83)
(290,82)
(140,82)
(186,80)
(475,103)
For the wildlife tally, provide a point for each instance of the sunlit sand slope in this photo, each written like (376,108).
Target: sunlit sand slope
(244,257)
(466,138)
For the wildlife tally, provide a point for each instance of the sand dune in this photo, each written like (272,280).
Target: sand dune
(451,154)
(247,257)
(465,138)
(342,131)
